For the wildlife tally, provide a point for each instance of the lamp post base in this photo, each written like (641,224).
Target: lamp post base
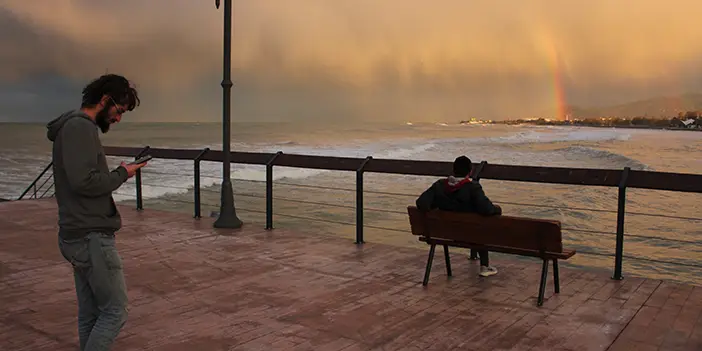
(227,212)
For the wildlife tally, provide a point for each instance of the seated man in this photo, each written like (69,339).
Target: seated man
(459,193)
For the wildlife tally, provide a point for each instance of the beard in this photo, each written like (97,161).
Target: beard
(102,119)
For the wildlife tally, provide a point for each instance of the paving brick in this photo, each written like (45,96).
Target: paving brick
(192,287)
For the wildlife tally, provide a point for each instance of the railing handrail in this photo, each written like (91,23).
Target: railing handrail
(36,180)
(681,182)
(622,179)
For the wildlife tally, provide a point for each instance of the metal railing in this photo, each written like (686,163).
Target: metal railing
(621,179)
(34,192)
(600,233)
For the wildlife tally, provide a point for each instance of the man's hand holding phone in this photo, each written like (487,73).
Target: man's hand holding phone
(133,166)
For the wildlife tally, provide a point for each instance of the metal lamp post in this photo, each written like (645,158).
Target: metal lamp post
(227,213)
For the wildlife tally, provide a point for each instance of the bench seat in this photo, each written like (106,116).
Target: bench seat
(505,234)
(564,255)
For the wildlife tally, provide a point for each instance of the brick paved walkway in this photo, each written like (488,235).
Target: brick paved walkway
(192,287)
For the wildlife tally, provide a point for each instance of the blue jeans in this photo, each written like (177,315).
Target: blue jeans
(100,288)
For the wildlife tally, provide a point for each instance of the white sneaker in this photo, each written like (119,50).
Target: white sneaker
(486,271)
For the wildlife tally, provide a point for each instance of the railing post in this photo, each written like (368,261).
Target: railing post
(475,175)
(620,226)
(269,190)
(196,182)
(139,197)
(359,200)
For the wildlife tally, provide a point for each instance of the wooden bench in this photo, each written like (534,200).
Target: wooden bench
(511,235)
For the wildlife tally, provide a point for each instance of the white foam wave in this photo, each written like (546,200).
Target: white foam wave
(405,153)
(611,159)
(170,177)
(163,177)
(551,135)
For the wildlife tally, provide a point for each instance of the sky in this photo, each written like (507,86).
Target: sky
(405,60)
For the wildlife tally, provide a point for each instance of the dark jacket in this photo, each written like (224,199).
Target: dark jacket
(457,195)
(83,183)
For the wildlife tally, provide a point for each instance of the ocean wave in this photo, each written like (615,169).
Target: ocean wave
(615,159)
(165,177)
(552,135)
(170,177)
(9,160)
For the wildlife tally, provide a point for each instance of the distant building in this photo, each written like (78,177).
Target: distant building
(689,123)
(677,123)
(684,123)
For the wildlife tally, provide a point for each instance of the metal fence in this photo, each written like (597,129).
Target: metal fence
(621,179)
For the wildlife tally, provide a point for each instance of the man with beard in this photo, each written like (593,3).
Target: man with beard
(87,215)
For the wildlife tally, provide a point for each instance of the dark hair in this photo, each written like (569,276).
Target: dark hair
(115,86)
(462,166)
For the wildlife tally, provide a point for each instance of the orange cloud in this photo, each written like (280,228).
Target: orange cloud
(499,47)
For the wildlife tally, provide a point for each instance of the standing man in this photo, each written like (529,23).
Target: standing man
(87,215)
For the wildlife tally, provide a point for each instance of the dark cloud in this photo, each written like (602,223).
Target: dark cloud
(389,59)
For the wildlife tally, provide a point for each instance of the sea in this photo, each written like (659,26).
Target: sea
(663,229)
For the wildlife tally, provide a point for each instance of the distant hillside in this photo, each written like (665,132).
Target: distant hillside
(667,106)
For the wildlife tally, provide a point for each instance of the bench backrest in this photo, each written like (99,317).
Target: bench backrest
(523,233)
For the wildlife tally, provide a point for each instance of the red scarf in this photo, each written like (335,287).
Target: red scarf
(458,185)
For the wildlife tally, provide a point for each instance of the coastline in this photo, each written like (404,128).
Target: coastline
(617,127)
(580,124)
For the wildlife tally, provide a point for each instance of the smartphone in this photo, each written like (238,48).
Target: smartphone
(141,160)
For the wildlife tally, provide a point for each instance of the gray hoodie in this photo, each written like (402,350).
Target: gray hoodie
(83,183)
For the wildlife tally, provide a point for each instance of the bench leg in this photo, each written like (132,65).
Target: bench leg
(542,287)
(556,280)
(429,261)
(448,261)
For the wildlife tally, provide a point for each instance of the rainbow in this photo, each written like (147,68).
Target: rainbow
(559,90)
